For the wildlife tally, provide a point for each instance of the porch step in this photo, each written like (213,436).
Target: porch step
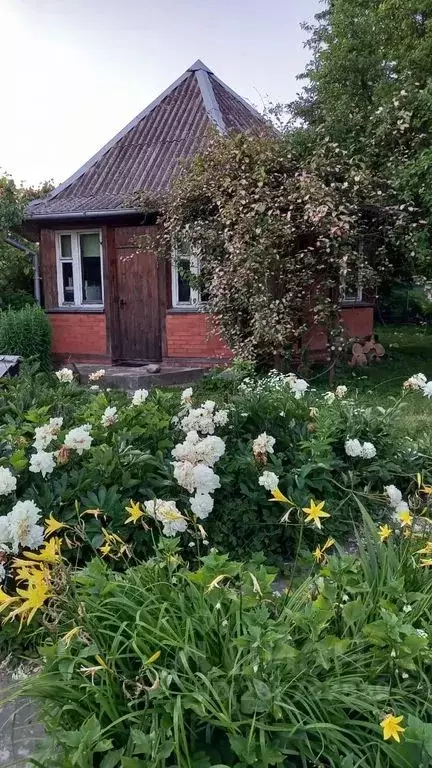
(136,377)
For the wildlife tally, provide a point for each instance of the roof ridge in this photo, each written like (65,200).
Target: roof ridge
(120,135)
(248,106)
(208,96)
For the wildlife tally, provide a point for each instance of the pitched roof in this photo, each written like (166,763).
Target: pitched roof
(145,154)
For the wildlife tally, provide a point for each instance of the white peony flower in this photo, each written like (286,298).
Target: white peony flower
(184,474)
(353,447)
(2,573)
(298,386)
(417,381)
(263,444)
(8,481)
(109,416)
(427,389)
(201,505)
(65,375)
(139,396)
(44,435)
(329,397)
(5,535)
(221,418)
(186,396)
(79,439)
(23,527)
(341,390)
(269,481)
(55,424)
(205,479)
(42,462)
(199,420)
(394,495)
(402,506)
(368,451)
(97,375)
(166,512)
(95,387)
(209,405)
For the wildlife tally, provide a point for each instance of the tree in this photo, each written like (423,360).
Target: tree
(16,269)
(273,233)
(368,87)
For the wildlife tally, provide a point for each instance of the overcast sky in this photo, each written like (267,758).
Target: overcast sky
(74,72)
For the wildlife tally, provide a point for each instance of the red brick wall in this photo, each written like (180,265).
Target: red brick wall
(188,335)
(79,335)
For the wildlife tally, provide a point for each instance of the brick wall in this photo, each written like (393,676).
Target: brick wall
(79,335)
(357,320)
(188,336)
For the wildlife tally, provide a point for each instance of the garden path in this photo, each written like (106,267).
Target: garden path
(19,731)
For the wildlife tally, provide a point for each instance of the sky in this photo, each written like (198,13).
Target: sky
(74,72)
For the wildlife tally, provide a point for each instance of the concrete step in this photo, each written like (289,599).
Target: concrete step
(137,377)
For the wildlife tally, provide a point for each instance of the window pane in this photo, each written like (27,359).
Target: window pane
(66,246)
(67,279)
(91,268)
(183,287)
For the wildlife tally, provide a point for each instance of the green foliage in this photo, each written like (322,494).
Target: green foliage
(368,87)
(169,667)
(26,332)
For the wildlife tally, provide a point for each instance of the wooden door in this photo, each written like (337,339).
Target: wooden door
(139,304)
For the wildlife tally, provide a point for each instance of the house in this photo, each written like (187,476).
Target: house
(108,301)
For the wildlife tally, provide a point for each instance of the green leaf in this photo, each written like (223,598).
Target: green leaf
(140,742)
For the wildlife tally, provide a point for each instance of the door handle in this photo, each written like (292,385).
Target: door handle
(122,302)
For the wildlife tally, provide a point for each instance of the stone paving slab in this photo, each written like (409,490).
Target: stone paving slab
(19,730)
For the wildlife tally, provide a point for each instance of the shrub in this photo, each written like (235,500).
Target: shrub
(15,300)
(26,332)
(164,667)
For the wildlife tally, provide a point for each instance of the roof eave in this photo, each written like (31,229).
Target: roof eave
(83,214)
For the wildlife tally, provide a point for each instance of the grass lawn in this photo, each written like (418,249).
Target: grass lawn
(408,351)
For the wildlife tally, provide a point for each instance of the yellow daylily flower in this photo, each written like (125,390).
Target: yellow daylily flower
(95,512)
(102,663)
(319,551)
(279,496)
(153,658)
(216,582)
(135,512)
(405,518)
(426,563)
(427,549)
(384,532)
(68,636)
(50,552)
(315,512)
(105,549)
(34,597)
(391,727)
(52,525)
(426,489)
(5,599)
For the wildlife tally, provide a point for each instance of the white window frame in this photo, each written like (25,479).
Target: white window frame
(76,269)
(351,299)
(195,297)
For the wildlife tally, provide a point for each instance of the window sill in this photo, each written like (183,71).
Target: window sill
(187,310)
(76,310)
(355,304)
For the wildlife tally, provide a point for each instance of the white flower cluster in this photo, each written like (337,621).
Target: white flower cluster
(109,416)
(203,419)
(97,375)
(65,375)
(275,380)
(79,439)
(139,397)
(269,480)
(166,513)
(196,456)
(356,449)
(19,528)
(419,381)
(8,481)
(395,499)
(262,445)
(339,392)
